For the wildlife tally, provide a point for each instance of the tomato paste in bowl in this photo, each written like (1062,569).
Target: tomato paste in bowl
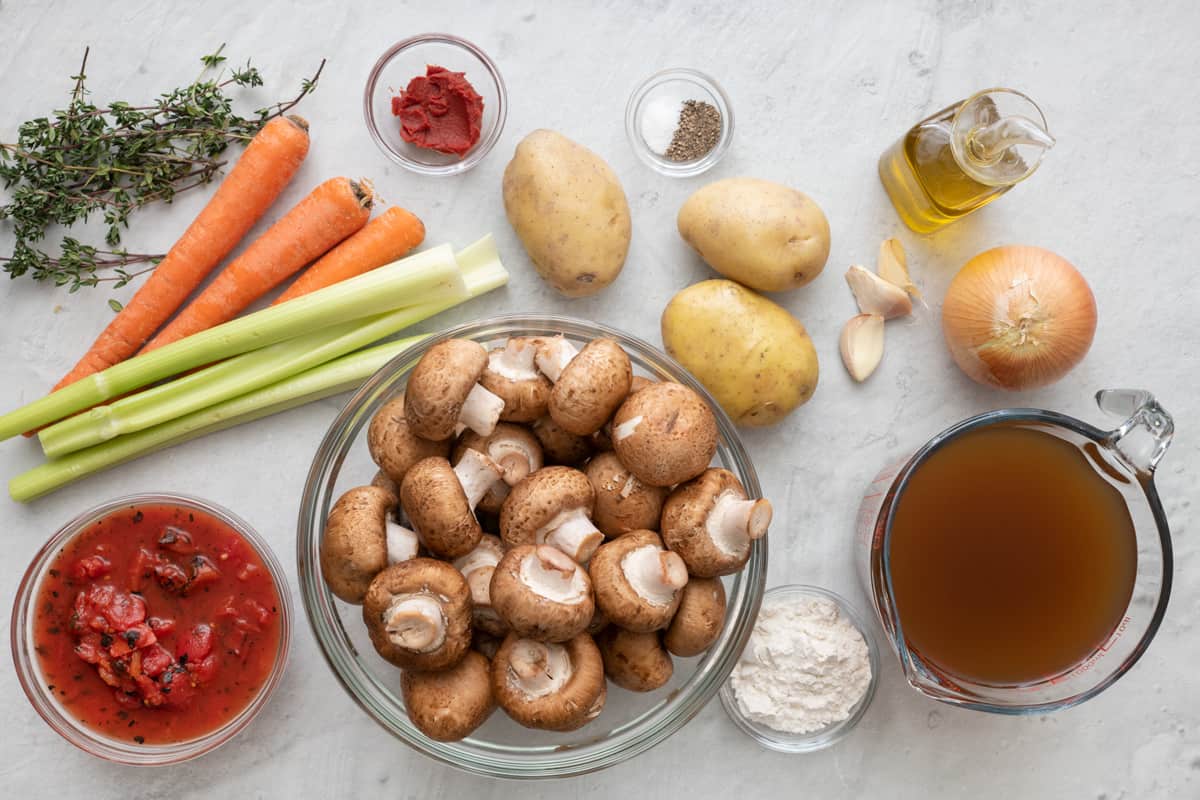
(151,629)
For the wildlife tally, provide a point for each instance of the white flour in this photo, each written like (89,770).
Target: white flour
(805,667)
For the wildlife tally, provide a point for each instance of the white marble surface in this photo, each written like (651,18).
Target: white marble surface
(819,90)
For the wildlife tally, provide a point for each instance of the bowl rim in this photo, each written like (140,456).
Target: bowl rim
(106,747)
(485,143)
(660,164)
(782,741)
(626,740)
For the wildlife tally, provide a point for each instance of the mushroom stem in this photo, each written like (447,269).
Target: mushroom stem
(415,622)
(655,574)
(481,410)
(515,362)
(539,668)
(573,533)
(477,473)
(514,458)
(626,428)
(553,355)
(402,543)
(734,521)
(552,574)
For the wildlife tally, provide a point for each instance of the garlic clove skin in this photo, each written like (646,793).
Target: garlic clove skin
(876,296)
(893,266)
(861,345)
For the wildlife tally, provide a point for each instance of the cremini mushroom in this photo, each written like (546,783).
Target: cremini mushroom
(542,593)
(477,567)
(512,375)
(556,687)
(560,447)
(354,546)
(393,445)
(553,354)
(640,382)
(637,583)
(513,447)
(381,479)
(552,506)
(710,522)
(440,501)
(665,434)
(623,503)
(635,661)
(448,705)
(443,392)
(418,614)
(698,620)
(591,387)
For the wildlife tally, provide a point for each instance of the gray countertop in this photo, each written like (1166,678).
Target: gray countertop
(819,91)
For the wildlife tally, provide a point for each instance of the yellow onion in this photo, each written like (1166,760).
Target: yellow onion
(1017,317)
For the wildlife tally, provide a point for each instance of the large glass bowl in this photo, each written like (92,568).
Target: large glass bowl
(630,723)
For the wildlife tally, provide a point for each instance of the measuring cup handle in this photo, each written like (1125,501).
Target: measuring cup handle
(1144,436)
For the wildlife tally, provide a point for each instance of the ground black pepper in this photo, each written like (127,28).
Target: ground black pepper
(698,132)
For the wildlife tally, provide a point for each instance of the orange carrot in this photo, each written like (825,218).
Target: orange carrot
(386,238)
(333,211)
(267,165)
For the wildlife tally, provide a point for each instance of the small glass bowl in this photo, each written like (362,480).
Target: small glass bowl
(92,741)
(407,59)
(782,741)
(677,84)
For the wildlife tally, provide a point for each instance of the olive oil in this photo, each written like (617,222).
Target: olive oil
(1012,558)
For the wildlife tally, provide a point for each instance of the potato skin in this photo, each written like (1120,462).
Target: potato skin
(569,211)
(762,234)
(755,357)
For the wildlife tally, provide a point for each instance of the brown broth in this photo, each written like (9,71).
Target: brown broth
(1012,558)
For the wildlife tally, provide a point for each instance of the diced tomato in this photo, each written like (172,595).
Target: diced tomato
(88,648)
(155,660)
(176,540)
(196,645)
(96,566)
(161,627)
(123,611)
(171,576)
(204,572)
(204,670)
(141,568)
(134,638)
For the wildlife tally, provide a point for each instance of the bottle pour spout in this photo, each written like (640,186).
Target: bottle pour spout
(989,142)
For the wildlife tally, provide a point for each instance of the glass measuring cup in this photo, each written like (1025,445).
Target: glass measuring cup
(1128,456)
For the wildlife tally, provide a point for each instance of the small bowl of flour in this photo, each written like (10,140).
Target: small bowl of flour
(807,674)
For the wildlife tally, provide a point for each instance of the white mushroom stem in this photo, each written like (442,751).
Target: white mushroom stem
(415,622)
(477,473)
(477,567)
(481,410)
(655,574)
(515,458)
(735,521)
(549,572)
(402,543)
(553,355)
(572,532)
(623,431)
(538,668)
(515,362)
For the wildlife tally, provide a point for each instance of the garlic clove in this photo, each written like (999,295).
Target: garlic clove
(861,344)
(877,296)
(893,266)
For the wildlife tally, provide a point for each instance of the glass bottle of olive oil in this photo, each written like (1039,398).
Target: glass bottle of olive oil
(964,157)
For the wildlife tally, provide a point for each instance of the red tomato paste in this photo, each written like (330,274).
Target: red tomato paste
(440,110)
(156,624)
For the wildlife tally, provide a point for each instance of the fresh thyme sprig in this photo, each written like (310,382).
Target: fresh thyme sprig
(112,160)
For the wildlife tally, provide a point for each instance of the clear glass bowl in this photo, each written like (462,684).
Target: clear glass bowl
(88,739)
(677,85)
(630,723)
(784,742)
(407,59)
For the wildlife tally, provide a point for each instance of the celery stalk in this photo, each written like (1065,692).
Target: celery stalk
(429,276)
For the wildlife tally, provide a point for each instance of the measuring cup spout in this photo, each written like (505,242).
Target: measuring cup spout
(1143,438)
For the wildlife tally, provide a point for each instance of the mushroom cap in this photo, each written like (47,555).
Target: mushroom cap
(437,506)
(640,382)
(592,386)
(572,705)
(566,608)
(665,434)
(525,398)
(616,597)
(439,384)
(684,524)
(699,619)
(635,661)
(425,577)
(354,543)
(381,480)
(477,567)
(447,706)
(623,503)
(393,445)
(513,447)
(559,446)
(539,498)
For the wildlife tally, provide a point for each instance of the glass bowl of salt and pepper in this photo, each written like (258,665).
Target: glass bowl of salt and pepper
(679,122)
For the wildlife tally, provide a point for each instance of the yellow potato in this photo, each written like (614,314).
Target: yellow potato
(755,357)
(767,236)
(569,211)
